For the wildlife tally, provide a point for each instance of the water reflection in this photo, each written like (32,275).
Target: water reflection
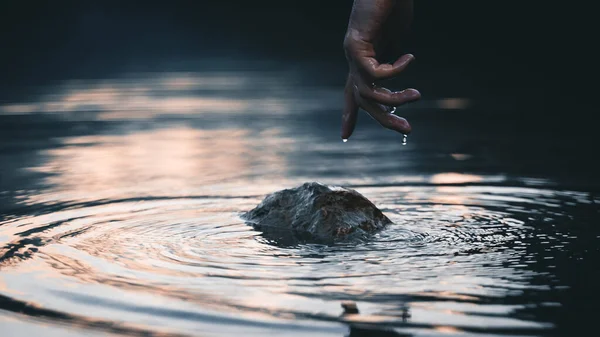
(145,96)
(132,224)
(177,160)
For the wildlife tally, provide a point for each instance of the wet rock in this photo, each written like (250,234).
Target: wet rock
(317,213)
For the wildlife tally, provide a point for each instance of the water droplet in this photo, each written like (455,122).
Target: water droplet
(344,140)
(404,139)
(393,111)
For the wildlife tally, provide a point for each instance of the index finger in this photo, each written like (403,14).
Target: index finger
(350,111)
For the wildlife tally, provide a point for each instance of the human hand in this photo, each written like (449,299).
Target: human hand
(375,26)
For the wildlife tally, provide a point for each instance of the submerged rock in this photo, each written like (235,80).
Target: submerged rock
(315,212)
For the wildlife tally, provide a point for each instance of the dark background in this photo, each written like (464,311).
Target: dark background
(482,45)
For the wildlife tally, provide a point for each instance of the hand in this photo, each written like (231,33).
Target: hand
(375,26)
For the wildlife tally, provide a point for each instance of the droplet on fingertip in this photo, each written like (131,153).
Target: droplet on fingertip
(344,140)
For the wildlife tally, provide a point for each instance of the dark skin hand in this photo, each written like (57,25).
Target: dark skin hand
(375,28)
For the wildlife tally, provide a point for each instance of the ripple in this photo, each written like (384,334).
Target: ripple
(456,257)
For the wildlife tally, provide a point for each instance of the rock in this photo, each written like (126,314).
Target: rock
(316,213)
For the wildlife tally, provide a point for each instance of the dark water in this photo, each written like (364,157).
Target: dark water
(120,201)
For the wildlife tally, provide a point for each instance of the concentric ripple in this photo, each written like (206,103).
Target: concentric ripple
(456,260)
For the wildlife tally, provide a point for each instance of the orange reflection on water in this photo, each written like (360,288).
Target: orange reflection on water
(455,178)
(148,95)
(191,80)
(454,103)
(172,161)
(113,102)
(447,329)
(449,194)
(448,295)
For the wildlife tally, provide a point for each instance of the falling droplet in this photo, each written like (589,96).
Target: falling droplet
(344,140)
(403,139)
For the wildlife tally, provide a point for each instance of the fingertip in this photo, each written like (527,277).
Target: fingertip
(403,126)
(397,123)
(348,123)
(350,111)
(404,59)
(345,134)
(408,129)
(412,94)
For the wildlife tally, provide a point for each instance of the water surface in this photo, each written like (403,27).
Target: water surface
(120,201)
